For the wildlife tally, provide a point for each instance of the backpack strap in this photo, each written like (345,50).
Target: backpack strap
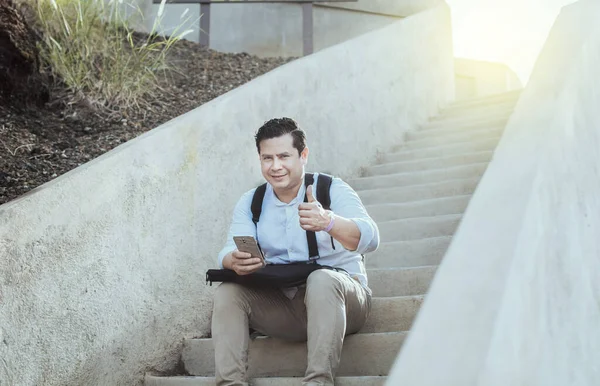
(257,201)
(323,186)
(311,237)
(323,194)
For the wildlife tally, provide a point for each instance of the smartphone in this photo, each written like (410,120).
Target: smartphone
(249,245)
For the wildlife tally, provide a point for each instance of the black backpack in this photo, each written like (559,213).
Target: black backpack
(322,195)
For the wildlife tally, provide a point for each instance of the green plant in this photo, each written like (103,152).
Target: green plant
(91,46)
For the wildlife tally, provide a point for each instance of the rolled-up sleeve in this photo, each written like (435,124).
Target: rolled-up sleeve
(345,202)
(241,225)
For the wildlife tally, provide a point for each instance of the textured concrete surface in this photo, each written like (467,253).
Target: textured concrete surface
(418,178)
(339,381)
(453,124)
(482,132)
(272,381)
(420,192)
(447,149)
(515,301)
(411,253)
(422,208)
(480,112)
(102,270)
(444,150)
(363,354)
(393,313)
(476,105)
(400,281)
(419,228)
(475,78)
(434,163)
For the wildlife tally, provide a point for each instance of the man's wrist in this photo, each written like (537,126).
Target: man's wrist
(227,260)
(331,223)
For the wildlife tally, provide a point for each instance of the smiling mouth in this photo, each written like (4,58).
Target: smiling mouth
(278,176)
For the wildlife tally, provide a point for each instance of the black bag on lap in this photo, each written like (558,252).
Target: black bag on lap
(270,276)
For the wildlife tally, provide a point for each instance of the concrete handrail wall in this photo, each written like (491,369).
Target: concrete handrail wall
(516,299)
(102,271)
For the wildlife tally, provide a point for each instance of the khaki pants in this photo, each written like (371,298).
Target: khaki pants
(330,306)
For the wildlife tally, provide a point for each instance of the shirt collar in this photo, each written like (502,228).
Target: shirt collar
(298,199)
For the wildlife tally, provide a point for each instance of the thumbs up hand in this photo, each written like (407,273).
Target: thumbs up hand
(312,215)
(309,195)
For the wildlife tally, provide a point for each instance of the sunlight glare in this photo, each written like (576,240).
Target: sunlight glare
(508,31)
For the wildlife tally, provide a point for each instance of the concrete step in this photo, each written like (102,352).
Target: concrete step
(490,100)
(407,254)
(449,188)
(506,97)
(419,228)
(152,380)
(451,139)
(481,111)
(424,208)
(442,150)
(339,381)
(429,163)
(461,123)
(420,177)
(363,354)
(390,314)
(385,282)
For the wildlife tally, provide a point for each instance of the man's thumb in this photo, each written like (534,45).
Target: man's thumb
(309,194)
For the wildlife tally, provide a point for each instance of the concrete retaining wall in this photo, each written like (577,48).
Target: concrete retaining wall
(475,78)
(102,270)
(516,299)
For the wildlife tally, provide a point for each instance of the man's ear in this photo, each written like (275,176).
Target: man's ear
(304,156)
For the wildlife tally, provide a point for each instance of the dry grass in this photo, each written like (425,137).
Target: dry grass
(91,46)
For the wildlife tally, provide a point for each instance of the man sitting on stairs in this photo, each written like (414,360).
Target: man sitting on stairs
(332,303)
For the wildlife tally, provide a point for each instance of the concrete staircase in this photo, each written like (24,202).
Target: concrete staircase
(417,194)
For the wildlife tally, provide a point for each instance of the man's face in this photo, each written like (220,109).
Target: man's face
(281,165)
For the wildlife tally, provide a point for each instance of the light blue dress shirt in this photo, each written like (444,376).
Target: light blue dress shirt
(282,240)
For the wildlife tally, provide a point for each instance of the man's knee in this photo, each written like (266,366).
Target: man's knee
(322,282)
(228,294)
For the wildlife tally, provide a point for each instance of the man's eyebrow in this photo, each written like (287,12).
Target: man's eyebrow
(278,155)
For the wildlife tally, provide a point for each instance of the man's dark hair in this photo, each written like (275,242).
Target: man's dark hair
(277,127)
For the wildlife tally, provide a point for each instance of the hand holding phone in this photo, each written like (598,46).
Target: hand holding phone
(249,245)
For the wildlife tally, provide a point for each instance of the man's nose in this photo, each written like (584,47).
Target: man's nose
(276,164)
